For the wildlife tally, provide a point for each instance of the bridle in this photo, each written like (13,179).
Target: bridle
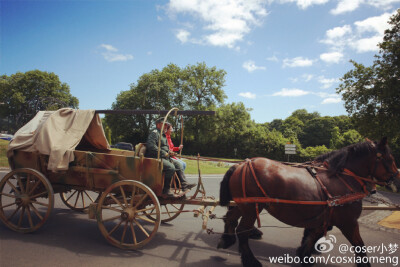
(380,159)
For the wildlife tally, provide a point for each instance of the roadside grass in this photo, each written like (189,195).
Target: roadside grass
(3,153)
(206,167)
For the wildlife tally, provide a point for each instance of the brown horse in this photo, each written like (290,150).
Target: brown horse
(309,205)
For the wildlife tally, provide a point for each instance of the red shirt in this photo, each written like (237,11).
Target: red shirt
(170,144)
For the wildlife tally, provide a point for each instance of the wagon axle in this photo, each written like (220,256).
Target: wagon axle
(128,214)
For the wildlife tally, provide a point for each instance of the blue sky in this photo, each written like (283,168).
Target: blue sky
(280,55)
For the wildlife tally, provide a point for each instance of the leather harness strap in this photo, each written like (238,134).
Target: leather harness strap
(330,202)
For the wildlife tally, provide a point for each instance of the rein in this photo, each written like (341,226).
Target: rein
(330,202)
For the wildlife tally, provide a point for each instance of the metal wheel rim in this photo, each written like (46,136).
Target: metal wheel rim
(26,200)
(124,223)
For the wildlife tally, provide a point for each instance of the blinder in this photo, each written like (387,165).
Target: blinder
(379,158)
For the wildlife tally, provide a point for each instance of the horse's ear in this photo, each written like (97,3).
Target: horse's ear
(383,142)
(370,142)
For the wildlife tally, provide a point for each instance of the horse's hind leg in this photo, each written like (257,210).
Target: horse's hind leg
(228,238)
(352,232)
(243,231)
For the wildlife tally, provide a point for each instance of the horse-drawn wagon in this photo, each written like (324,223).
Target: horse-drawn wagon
(65,152)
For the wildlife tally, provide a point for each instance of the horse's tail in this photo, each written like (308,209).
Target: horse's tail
(224,193)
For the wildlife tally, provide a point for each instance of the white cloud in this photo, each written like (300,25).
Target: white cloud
(307,77)
(109,47)
(363,36)
(225,22)
(332,57)
(346,6)
(291,92)
(304,4)
(366,44)
(350,5)
(183,35)
(250,66)
(111,54)
(273,58)
(331,100)
(326,83)
(297,62)
(327,98)
(248,95)
(384,4)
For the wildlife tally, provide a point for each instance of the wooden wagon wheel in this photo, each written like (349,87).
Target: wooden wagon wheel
(79,199)
(121,214)
(26,200)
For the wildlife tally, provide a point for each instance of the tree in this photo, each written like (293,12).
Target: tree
(23,94)
(372,94)
(196,87)
(317,132)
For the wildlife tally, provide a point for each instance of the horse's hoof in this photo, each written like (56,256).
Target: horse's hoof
(250,262)
(226,241)
(255,234)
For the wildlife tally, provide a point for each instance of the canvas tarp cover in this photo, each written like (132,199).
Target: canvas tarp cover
(57,133)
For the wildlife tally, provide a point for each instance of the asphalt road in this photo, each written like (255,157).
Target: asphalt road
(71,239)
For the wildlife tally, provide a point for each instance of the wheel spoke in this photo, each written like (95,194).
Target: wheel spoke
(133,194)
(39,203)
(115,228)
(124,232)
(8,195)
(166,208)
(141,227)
(111,208)
(116,200)
(28,180)
(2,207)
(34,187)
(12,215)
(111,218)
(20,184)
(76,200)
(91,199)
(146,209)
(29,217)
(21,216)
(36,211)
(145,219)
(141,201)
(13,187)
(71,196)
(83,200)
(38,195)
(133,233)
(123,196)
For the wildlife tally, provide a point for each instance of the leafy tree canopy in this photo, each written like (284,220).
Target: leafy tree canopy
(23,94)
(372,94)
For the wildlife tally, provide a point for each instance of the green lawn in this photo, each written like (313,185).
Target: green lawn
(206,167)
(3,151)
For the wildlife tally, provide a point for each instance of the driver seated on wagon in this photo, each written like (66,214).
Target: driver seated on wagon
(169,166)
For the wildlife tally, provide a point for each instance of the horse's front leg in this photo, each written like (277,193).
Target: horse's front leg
(352,232)
(228,238)
(310,237)
(243,232)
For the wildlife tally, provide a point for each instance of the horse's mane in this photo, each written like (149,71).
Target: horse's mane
(337,159)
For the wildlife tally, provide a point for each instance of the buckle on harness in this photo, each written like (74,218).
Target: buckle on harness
(333,203)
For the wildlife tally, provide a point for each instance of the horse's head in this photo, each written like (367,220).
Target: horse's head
(384,168)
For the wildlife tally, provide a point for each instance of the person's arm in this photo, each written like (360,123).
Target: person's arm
(152,145)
